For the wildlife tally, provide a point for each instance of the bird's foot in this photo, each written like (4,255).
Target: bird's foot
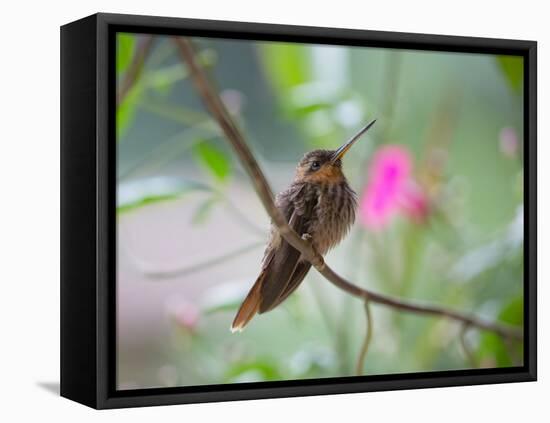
(317,260)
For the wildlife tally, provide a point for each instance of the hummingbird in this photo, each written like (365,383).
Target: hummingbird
(320,206)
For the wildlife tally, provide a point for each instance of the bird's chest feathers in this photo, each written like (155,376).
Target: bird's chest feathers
(332,212)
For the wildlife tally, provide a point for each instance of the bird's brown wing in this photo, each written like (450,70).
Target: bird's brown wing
(297,277)
(282,269)
(275,282)
(285,270)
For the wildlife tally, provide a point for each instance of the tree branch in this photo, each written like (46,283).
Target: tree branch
(218,110)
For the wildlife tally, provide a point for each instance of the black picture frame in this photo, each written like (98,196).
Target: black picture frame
(88,244)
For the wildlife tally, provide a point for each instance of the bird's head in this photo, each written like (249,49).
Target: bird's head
(325,166)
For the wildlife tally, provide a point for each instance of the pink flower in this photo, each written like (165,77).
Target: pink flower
(185,314)
(391,189)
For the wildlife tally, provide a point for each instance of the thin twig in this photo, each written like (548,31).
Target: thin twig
(135,67)
(160,274)
(466,348)
(366,341)
(218,110)
(240,216)
(166,151)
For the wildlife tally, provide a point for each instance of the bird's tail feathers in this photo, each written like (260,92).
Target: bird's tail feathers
(249,307)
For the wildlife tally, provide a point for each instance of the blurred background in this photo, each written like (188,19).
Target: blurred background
(191,231)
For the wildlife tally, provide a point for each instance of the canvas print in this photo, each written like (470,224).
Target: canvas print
(292,211)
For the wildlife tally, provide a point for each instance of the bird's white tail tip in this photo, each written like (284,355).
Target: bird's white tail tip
(234,329)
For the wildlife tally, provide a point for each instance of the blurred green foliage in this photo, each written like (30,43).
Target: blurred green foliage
(287,66)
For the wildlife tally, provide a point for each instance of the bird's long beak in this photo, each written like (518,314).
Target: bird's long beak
(338,154)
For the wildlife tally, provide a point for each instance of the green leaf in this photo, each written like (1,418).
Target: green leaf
(512,68)
(145,201)
(161,80)
(493,348)
(213,159)
(512,313)
(204,210)
(303,110)
(492,351)
(136,194)
(124,51)
(262,369)
(127,109)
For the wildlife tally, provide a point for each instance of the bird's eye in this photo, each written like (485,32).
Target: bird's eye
(315,165)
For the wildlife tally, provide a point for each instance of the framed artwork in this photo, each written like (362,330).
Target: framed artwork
(258,211)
